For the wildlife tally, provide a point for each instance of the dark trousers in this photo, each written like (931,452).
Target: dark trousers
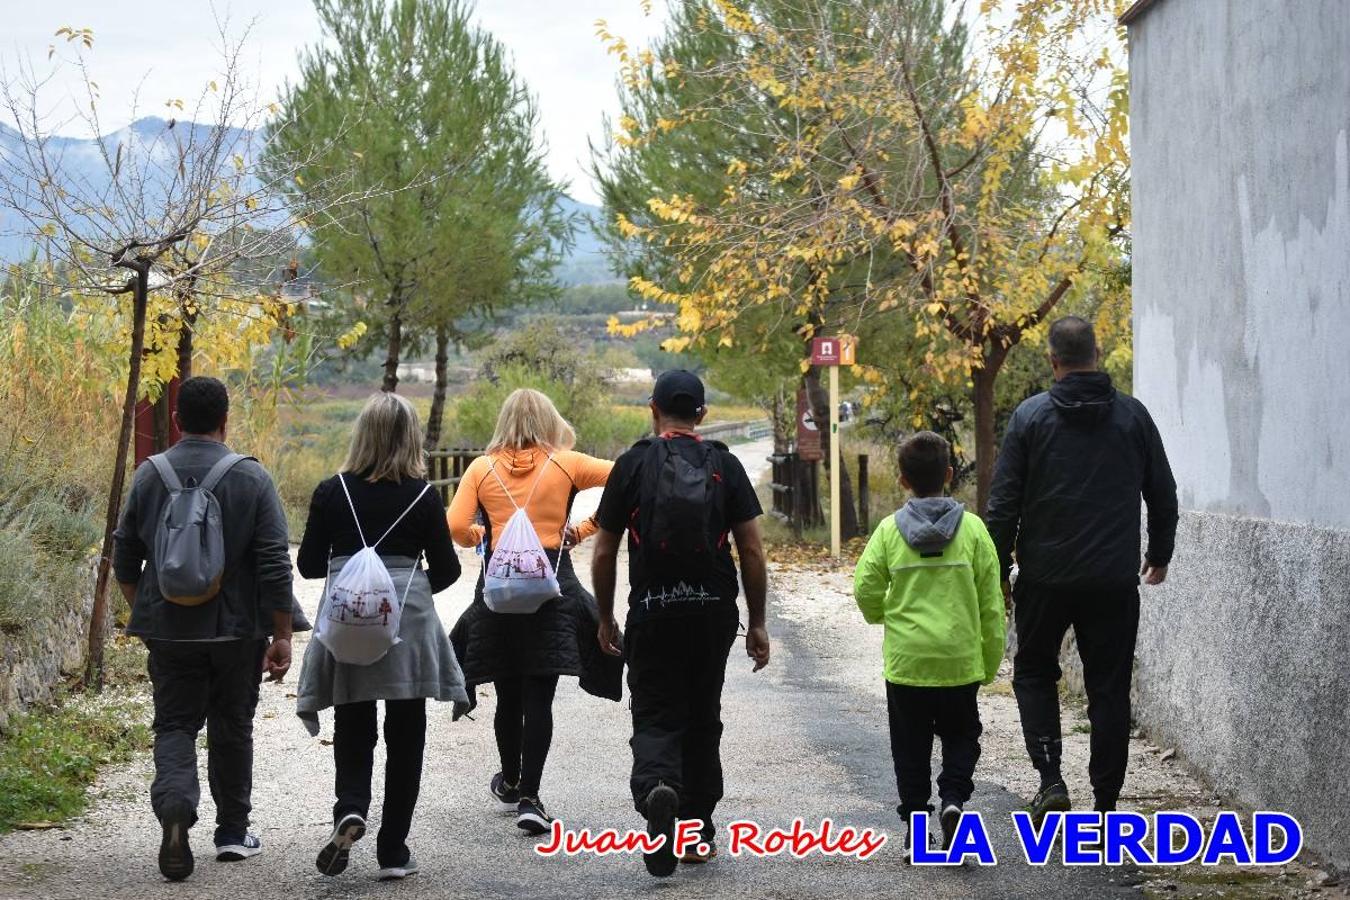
(524,728)
(676,667)
(354,737)
(214,683)
(1105,624)
(916,715)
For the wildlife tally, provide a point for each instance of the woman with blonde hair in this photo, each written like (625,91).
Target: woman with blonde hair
(529,463)
(381,498)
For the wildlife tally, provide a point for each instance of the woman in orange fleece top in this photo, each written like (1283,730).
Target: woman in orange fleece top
(523,655)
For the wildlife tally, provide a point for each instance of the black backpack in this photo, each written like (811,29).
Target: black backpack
(678,509)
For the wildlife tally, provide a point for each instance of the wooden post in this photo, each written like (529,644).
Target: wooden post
(835,543)
(864,496)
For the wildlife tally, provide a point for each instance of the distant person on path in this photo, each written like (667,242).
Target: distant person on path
(206,660)
(930,575)
(1065,498)
(381,490)
(529,462)
(680,499)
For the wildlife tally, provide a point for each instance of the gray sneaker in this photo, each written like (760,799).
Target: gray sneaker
(335,854)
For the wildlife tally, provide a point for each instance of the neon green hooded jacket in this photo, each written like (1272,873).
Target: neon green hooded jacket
(935,586)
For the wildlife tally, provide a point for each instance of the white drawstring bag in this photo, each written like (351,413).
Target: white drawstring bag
(519,577)
(359,619)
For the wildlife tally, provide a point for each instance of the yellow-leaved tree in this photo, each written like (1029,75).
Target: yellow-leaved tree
(956,174)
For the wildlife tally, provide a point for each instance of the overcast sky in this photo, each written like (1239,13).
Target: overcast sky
(169,44)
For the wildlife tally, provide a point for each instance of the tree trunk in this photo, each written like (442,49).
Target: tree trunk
(93,674)
(986,442)
(390,383)
(163,420)
(185,346)
(163,414)
(820,411)
(437,414)
(777,414)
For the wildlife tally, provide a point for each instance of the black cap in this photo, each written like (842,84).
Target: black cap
(678,392)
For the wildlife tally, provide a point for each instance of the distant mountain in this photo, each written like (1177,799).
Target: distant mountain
(586,262)
(82,164)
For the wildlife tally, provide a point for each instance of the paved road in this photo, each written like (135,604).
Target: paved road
(805,738)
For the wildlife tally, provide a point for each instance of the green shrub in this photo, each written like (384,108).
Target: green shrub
(19,601)
(602,429)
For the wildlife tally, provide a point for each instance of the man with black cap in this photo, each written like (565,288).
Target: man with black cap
(679,498)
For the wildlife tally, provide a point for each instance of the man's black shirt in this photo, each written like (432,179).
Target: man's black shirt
(695,591)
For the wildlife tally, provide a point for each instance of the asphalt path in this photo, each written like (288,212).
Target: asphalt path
(806,738)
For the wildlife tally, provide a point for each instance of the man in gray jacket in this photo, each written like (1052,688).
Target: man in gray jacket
(206,661)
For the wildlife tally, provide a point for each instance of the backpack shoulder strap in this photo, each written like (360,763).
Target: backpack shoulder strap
(492,470)
(166,472)
(535,487)
(492,467)
(416,500)
(352,506)
(218,471)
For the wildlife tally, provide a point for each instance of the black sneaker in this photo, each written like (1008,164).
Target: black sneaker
(694,857)
(233,849)
(1051,798)
(949,819)
(334,855)
(398,873)
(908,857)
(175,855)
(508,795)
(531,816)
(705,850)
(662,806)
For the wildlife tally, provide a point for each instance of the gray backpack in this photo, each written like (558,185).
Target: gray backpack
(189,550)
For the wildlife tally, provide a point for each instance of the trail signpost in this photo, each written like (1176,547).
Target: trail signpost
(833,352)
(809,446)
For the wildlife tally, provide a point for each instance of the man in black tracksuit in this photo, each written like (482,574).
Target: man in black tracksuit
(682,613)
(1074,464)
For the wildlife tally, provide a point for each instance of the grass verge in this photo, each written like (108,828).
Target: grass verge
(50,755)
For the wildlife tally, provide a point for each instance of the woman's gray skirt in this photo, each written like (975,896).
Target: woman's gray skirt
(422,664)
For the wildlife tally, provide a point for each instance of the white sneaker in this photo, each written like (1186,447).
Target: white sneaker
(396,873)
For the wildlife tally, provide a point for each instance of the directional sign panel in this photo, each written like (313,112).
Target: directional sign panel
(836,350)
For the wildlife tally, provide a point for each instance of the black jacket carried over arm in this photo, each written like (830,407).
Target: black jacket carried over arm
(1075,462)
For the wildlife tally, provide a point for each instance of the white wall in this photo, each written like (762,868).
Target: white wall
(1240,124)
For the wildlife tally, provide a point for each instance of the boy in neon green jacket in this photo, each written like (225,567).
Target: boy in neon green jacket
(930,574)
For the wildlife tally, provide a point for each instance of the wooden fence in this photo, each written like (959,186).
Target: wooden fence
(446,467)
(796,493)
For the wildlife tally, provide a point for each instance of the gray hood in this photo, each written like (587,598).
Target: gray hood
(928,524)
